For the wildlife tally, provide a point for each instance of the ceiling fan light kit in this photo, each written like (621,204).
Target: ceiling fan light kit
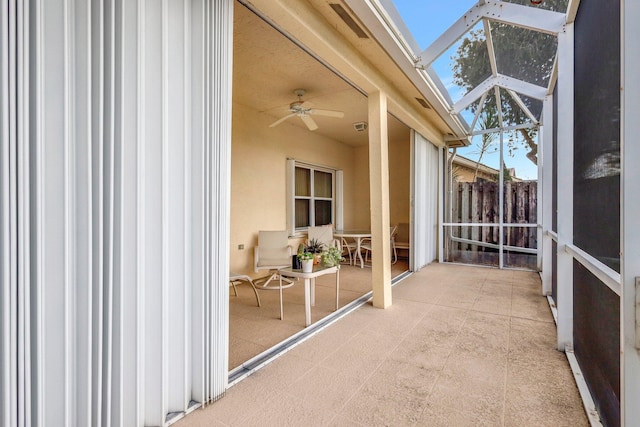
(301,109)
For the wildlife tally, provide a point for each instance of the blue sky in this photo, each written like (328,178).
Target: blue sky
(427,19)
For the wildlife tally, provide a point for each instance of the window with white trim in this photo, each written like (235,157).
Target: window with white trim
(314,196)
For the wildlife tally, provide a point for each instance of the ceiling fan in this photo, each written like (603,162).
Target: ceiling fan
(303,110)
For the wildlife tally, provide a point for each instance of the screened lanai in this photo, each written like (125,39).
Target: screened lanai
(538,85)
(117,222)
(497,62)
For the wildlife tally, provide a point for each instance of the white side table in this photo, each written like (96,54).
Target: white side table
(309,286)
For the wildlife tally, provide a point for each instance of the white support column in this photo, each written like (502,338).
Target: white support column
(379,190)
(545,194)
(564,187)
(441,198)
(630,227)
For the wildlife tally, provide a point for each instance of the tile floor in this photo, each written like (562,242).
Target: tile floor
(254,329)
(460,346)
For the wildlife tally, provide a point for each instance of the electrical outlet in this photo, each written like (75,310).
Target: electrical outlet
(240,247)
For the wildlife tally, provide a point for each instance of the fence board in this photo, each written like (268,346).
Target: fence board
(479,203)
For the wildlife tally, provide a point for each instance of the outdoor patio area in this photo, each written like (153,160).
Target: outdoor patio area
(254,329)
(460,346)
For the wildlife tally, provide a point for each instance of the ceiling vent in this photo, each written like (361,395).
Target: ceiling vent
(423,103)
(351,23)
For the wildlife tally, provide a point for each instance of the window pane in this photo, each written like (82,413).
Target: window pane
(322,184)
(303,182)
(323,212)
(302,213)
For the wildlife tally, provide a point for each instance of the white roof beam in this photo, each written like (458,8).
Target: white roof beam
(519,86)
(510,13)
(522,106)
(474,94)
(505,128)
(496,90)
(490,48)
(479,111)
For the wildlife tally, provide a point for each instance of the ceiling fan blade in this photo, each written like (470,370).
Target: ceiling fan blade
(277,122)
(311,124)
(328,113)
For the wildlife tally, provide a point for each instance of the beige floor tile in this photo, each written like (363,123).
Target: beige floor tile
(285,410)
(373,406)
(535,308)
(442,416)
(323,387)
(460,346)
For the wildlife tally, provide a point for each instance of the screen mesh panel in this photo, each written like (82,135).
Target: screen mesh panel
(596,335)
(596,200)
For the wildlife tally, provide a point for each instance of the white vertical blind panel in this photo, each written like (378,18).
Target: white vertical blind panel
(187,143)
(23,235)
(52,212)
(126,119)
(8,243)
(129,244)
(153,192)
(117,391)
(197,264)
(97,209)
(110,197)
(221,69)
(418,202)
(425,225)
(290,194)
(175,202)
(141,209)
(339,225)
(80,34)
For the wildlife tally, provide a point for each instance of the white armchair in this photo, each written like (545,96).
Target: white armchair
(324,235)
(272,253)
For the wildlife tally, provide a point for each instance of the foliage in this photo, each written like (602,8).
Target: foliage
(332,257)
(314,246)
(305,256)
(301,249)
(488,120)
(523,54)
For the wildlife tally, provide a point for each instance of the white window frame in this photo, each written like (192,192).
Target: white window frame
(336,195)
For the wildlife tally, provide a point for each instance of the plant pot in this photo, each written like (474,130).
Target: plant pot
(317,258)
(307,265)
(295,262)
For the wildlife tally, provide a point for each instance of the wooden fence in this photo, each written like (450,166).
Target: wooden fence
(479,203)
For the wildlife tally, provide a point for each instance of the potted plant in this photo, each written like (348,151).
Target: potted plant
(314,246)
(306,258)
(332,257)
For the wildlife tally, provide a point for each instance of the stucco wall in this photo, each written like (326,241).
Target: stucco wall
(258,178)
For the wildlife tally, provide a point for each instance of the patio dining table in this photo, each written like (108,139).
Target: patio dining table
(358,236)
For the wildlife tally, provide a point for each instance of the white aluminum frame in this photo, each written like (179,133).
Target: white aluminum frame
(630,206)
(564,188)
(545,195)
(499,80)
